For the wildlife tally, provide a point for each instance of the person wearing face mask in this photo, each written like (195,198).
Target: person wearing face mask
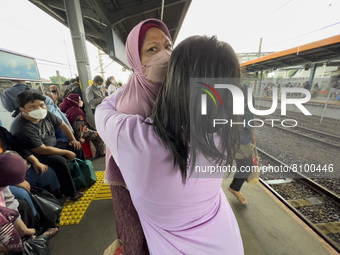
(111,85)
(82,128)
(95,93)
(35,128)
(148,48)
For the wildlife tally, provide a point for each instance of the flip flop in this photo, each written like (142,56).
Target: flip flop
(51,232)
(240,197)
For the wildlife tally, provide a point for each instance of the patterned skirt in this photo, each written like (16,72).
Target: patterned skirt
(128,226)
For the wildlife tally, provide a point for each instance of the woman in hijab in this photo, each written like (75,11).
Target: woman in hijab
(37,174)
(148,48)
(82,129)
(12,172)
(181,211)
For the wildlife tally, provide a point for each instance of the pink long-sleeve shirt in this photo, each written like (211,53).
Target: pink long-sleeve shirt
(194,218)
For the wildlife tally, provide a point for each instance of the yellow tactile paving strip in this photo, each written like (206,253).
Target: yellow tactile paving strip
(104,192)
(73,212)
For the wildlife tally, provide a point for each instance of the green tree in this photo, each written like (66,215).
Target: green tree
(54,79)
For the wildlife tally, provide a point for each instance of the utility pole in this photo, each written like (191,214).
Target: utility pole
(260,80)
(68,60)
(101,64)
(260,46)
(59,81)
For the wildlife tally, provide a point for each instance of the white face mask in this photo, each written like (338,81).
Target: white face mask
(38,114)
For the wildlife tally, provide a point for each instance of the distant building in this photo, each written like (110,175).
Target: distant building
(246,56)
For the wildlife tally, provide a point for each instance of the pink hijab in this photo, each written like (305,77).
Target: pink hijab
(139,94)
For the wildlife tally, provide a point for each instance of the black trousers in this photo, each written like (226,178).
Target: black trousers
(60,167)
(241,177)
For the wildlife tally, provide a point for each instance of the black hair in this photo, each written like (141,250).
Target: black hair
(108,81)
(28,96)
(67,83)
(77,79)
(175,112)
(97,79)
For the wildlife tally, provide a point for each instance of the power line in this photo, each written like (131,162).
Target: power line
(319,29)
(280,7)
(54,62)
(56,66)
(104,67)
(316,30)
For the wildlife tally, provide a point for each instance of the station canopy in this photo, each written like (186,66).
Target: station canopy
(117,18)
(326,50)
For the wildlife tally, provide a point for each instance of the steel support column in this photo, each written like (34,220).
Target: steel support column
(75,22)
(311,76)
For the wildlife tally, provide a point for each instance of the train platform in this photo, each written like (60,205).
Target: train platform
(267,227)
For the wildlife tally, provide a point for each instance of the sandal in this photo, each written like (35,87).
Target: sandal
(239,196)
(51,232)
(78,196)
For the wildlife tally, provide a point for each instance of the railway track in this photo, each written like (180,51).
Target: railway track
(312,134)
(322,229)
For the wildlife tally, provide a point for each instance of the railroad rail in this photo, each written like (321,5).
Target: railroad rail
(314,186)
(312,134)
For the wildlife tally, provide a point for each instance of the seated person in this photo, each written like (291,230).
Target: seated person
(72,107)
(34,127)
(12,172)
(53,108)
(37,174)
(56,95)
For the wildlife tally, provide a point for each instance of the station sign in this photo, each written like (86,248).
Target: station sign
(14,66)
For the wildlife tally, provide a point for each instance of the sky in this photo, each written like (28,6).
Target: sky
(282,24)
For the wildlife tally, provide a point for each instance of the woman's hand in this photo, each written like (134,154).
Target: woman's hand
(24,185)
(82,140)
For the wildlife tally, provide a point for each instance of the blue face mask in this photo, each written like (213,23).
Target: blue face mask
(100,87)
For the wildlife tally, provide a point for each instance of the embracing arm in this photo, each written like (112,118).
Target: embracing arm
(122,132)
